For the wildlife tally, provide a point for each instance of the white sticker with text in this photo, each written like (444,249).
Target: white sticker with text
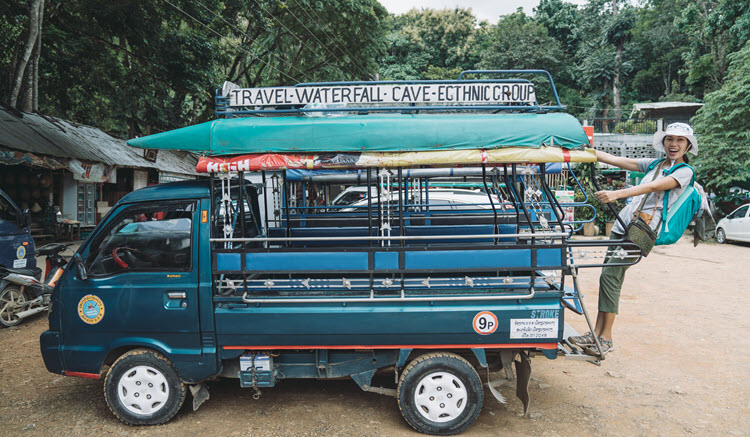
(533,328)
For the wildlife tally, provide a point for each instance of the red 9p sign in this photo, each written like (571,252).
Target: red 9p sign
(485,323)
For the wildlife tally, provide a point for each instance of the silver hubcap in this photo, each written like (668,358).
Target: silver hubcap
(720,236)
(440,397)
(143,390)
(11,302)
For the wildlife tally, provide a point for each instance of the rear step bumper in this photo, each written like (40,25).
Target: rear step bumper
(568,350)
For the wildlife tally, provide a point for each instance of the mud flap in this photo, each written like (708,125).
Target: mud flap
(523,376)
(506,357)
(200,395)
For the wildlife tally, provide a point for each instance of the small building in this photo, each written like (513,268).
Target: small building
(670,112)
(48,164)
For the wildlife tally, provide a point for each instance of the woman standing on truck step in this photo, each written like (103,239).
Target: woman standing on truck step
(675,141)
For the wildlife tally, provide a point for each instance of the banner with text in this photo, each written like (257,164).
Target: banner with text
(487,93)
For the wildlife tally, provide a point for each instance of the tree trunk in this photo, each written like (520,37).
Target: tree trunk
(36,10)
(616,81)
(30,101)
(618,71)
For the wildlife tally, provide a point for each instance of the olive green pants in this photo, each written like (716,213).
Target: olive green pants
(611,279)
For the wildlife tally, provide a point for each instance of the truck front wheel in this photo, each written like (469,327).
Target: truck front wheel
(440,394)
(143,388)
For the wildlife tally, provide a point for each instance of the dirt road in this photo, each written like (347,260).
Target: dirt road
(680,367)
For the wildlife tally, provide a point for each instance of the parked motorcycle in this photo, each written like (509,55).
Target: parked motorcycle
(23,294)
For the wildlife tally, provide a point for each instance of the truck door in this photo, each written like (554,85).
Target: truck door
(141,287)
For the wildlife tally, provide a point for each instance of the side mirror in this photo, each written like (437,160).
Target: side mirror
(25,219)
(80,267)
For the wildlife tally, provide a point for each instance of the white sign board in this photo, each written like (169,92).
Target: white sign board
(533,328)
(488,93)
(566,196)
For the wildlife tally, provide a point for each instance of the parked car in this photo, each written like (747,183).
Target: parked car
(735,226)
(439,200)
(353,194)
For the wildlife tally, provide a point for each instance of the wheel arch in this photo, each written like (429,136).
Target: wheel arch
(124,346)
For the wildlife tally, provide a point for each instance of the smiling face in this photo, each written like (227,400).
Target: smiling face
(675,146)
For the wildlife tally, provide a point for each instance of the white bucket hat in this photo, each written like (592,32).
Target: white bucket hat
(679,130)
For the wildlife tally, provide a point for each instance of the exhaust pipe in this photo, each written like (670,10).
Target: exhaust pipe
(23,314)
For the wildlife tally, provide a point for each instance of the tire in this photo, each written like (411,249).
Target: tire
(440,394)
(143,388)
(721,236)
(10,298)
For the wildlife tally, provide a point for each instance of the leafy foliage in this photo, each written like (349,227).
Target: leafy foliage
(724,125)
(429,43)
(138,67)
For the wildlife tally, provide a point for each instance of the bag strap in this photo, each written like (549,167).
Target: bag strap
(654,163)
(659,162)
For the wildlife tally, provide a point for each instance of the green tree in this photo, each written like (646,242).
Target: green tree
(431,43)
(715,29)
(136,67)
(517,42)
(723,124)
(562,21)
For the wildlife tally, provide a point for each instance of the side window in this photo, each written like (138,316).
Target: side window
(228,218)
(7,211)
(740,213)
(146,237)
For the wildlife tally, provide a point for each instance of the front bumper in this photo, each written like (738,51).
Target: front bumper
(50,345)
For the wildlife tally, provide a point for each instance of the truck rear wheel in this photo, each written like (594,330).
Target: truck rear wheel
(143,388)
(440,394)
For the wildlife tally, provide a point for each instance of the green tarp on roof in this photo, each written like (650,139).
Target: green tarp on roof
(373,133)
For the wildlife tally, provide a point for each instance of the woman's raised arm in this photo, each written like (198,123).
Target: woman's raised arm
(624,163)
(661,184)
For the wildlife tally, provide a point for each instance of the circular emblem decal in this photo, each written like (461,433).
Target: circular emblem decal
(485,323)
(91,309)
(20,252)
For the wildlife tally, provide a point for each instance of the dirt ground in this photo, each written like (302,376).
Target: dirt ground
(680,367)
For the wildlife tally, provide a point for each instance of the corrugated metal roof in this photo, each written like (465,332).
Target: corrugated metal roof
(44,135)
(665,105)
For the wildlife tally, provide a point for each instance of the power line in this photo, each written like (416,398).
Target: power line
(316,38)
(230,42)
(293,34)
(252,42)
(341,43)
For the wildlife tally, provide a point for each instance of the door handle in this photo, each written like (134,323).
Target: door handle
(177,295)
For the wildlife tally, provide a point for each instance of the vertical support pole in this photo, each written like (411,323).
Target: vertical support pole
(401,214)
(370,253)
(402,229)
(380,208)
(266,225)
(489,196)
(285,209)
(211,182)
(241,204)
(574,273)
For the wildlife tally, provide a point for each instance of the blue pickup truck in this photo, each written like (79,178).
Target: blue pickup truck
(254,275)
